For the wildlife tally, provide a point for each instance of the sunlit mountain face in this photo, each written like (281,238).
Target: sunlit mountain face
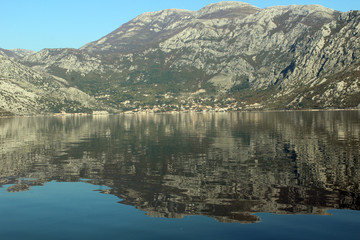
(228,56)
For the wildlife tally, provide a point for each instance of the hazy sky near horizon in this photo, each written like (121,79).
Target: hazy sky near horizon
(38,24)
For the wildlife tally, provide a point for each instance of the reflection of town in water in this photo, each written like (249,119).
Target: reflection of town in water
(223,165)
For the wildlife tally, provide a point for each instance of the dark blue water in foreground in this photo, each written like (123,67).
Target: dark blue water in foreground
(78,211)
(181,176)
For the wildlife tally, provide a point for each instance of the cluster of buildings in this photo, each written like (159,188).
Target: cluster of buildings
(193,105)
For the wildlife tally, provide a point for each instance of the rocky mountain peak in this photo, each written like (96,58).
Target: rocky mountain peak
(315,11)
(22,52)
(15,53)
(150,28)
(144,30)
(7,53)
(227,9)
(224,5)
(162,15)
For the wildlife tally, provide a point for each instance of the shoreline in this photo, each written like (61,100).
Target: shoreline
(175,112)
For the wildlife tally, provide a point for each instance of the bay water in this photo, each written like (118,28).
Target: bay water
(239,175)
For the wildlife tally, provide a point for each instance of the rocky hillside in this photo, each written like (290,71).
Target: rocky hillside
(17,53)
(282,57)
(150,29)
(26,91)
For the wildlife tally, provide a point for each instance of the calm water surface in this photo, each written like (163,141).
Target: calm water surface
(286,175)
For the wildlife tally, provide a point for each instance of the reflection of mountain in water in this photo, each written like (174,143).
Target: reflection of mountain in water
(226,166)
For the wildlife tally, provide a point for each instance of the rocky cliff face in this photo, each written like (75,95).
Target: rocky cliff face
(24,90)
(15,53)
(150,29)
(281,57)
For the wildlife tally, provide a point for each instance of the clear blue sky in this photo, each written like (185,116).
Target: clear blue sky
(38,24)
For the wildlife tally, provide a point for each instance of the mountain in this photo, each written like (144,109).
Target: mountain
(150,29)
(22,52)
(17,53)
(24,90)
(226,54)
